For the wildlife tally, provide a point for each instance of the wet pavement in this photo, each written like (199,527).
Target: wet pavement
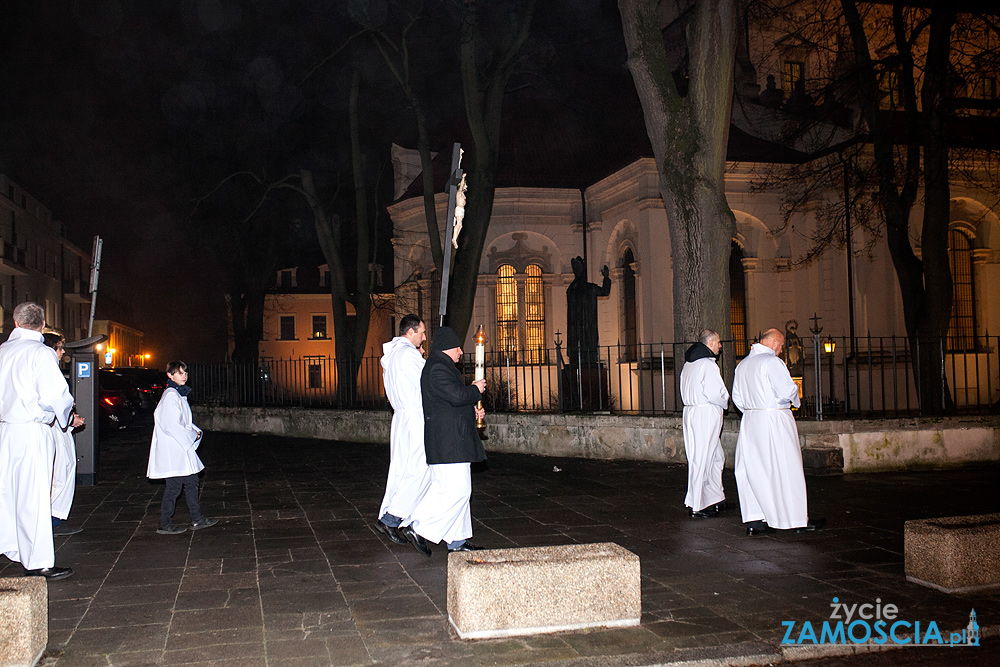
(295,574)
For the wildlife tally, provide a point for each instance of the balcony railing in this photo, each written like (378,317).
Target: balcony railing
(869,377)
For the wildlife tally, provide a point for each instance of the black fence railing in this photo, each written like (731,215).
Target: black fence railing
(871,376)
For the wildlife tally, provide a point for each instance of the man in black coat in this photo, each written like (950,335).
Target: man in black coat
(452,445)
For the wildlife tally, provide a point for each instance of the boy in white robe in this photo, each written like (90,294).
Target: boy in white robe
(64,464)
(33,394)
(705,397)
(173,455)
(769,476)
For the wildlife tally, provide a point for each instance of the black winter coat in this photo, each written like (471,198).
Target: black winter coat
(450,434)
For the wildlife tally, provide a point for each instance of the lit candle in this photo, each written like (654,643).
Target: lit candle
(480,365)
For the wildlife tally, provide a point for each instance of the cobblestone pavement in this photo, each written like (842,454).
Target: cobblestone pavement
(295,573)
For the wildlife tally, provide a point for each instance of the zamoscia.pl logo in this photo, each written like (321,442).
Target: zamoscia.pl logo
(876,624)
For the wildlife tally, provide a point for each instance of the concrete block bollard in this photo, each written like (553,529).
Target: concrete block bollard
(956,554)
(24,620)
(506,592)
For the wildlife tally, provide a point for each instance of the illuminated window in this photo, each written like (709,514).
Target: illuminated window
(630,334)
(962,328)
(737,301)
(319,326)
(506,341)
(794,72)
(520,313)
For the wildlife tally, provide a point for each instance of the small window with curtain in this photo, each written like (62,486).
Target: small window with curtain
(962,328)
(287,327)
(319,327)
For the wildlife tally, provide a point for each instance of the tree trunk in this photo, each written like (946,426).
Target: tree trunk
(689,136)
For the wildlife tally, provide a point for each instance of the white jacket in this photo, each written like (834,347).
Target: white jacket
(175,439)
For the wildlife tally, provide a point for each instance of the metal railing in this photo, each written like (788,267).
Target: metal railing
(871,376)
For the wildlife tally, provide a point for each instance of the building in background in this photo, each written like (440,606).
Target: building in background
(39,264)
(124,345)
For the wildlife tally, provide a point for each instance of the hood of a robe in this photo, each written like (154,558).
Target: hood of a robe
(698,351)
(394,347)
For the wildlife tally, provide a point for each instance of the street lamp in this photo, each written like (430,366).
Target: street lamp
(829,347)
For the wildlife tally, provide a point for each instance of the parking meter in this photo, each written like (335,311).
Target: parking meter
(84,384)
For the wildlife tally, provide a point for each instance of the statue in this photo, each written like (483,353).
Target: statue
(581,314)
(459,210)
(793,349)
(772,97)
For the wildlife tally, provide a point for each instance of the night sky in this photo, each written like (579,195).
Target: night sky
(117,116)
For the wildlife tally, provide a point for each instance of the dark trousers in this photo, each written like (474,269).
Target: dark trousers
(188,484)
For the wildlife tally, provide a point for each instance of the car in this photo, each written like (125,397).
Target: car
(117,399)
(149,381)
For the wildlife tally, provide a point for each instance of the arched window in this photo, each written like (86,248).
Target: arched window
(506,311)
(630,329)
(737,301)
(534,314)
(520,302)
(962,328)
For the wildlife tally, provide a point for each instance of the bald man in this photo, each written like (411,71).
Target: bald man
(769,476)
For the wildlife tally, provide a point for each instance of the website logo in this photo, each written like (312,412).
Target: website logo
(875,623)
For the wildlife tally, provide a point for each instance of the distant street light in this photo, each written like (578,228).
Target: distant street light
(829,347)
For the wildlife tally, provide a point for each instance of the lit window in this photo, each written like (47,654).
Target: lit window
(319,326)
(794,72)
(737,301)
(520,314)
(962,328)
(630,335)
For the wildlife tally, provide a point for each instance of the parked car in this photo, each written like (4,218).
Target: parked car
(149,381)
(117,399)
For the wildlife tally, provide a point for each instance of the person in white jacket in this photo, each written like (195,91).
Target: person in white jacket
(409,477)
(33,394)
(173,455)
(705,397)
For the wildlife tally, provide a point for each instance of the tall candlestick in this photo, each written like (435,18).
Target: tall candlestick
(480,367)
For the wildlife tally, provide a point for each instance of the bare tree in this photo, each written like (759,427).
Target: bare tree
(687,116)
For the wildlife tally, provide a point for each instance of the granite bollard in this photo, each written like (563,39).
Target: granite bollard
(533,590)
(24,620)
(956,554)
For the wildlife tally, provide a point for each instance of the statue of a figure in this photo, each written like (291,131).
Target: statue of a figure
(459,211)
(793,349)
(581,314)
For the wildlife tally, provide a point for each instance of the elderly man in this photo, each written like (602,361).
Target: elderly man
(705,397)
(402,363)
(33,395)
(769,475)
(452,445)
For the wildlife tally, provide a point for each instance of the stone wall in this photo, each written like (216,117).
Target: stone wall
(828,447)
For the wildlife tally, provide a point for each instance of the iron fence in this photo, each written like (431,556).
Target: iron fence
(870,376)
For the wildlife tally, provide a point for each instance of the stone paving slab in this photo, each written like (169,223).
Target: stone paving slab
(295,574)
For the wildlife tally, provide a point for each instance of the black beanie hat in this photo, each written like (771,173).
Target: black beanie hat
(445,339)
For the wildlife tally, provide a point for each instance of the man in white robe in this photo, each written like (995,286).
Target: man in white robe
(769,476)
(402,363)
(705,397)
(33,395)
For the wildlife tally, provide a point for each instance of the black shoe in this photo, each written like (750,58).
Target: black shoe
(171,529)
(204,523)
(419,543)
(758,528)
(63,530)
(709,512)
(390,532)
(811,525)
(50,573)
(465,547)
